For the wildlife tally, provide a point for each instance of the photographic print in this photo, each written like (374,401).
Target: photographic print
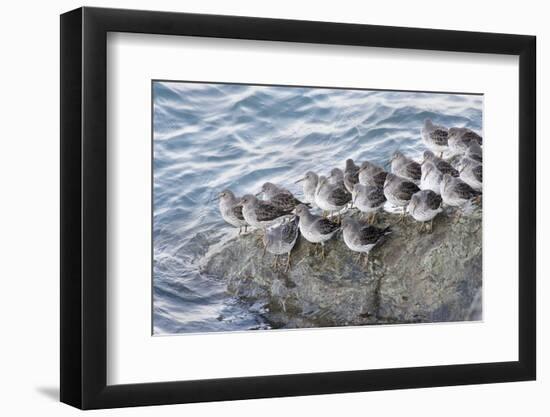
(284,207)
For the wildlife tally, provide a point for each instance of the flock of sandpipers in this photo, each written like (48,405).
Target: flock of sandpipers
(421,188)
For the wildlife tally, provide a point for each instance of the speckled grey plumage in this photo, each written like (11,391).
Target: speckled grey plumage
(425,205)
(331,196)
(443,166)
(280,238)
(456,192)
(309,187)
(368,198)
(279,196)
(372,174)
(431,177)
(399,190)
(435,137)
(315,229)
(405,167)
(471,172)
(474,151)
(360,236)
(259,213)
(351,175)
(460,138)
(231,209)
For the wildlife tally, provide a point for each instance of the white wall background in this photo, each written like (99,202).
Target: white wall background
(29,225)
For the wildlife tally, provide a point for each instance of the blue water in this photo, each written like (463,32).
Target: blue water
(208,137)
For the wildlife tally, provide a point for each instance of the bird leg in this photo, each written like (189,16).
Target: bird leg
(431,225)
(366,260)
(441,155)
(287,262)
(402,216)
(240,230)
(373,219)
(359,258)
(263,252)
(323,251)
(275,262)
(245,227)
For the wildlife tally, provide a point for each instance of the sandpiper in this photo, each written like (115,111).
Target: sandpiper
(310,185)
(260,214)
(435,137)
(471,172)
(399,191)
(279,197)
(362,237)
(424,206)
(431,177)
(474,152)
(405,167)
(351,175)
(460,138)
(443,166)
(456,192)
(331,196)
(279,239)
(371,174)
(336,177)
(231,210)
(368,199)
(316,229)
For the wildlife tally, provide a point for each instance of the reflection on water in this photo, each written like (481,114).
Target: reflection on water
(208,137)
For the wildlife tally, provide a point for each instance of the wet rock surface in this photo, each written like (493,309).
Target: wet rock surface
(412,277)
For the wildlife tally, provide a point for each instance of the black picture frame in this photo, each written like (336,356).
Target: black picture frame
(84,207)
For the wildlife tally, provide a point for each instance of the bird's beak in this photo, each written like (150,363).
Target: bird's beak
(258,194)
(461,169)
(215,198)
(362,169)
(300,180)
(354,198)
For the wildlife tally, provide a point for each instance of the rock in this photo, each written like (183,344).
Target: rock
(412,277)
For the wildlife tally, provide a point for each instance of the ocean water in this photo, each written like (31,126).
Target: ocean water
(208,137)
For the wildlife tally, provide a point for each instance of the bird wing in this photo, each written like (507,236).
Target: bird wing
(352,177)
(339,196)
(470,135)
(266,212)
(446,168)
(327,226)
(285,201)
(478,173)
(380,178)
(433,200)
(369,235)
(406,189)
(464,191)
(238,212)
(413,170)
(290,229)
(376,196)
(440,137)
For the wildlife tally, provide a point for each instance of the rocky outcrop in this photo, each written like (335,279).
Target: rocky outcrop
(411,277)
